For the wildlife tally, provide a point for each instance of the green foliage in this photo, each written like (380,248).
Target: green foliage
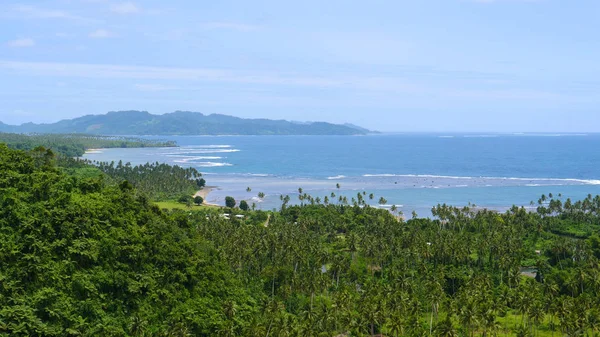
(335,269)
(198,200)
(158,181)
(88,255)
(230,202)
(185,199)
(244,205)
(80,257)
(74,145)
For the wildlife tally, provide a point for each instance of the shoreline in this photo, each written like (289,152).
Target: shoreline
(93,151)
(204,192)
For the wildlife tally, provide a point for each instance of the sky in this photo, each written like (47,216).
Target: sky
(403,65)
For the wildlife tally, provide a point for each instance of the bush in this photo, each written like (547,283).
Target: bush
(184,199)
(198,200)
(229,202)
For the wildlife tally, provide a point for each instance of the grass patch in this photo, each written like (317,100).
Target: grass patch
(178,205)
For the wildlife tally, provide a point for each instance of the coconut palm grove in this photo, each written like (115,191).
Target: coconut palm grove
(86,251)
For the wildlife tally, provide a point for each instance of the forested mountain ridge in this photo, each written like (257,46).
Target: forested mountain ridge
(181,123)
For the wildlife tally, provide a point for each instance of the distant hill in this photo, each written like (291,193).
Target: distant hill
(359,128)
(181,123)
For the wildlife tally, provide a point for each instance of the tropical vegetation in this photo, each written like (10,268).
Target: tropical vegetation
(93,256)
(75,145)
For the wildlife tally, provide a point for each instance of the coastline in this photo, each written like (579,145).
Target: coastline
(204,192)
(418,180)
(93,151)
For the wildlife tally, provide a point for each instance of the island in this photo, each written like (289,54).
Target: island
(182,123)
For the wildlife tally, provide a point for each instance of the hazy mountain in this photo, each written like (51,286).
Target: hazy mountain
(181,123)
(359,128)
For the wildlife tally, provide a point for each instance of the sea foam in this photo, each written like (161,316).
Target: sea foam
(201,151)
(211,164)
(530,180)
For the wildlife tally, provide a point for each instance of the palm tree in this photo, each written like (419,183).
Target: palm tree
(468,317)
(445,328)
(593,320)
(137,326)
(396,325)
(536,315)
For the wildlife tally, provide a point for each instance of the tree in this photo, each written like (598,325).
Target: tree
(261,195)
(248,189)
(198,200)
(184,199)
(244,205)
(305,270)
(110,239)
(230,202)
(445,328)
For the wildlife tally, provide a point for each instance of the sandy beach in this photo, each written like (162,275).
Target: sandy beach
(204,192)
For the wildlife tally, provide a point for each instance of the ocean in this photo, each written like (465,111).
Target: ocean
(412,171)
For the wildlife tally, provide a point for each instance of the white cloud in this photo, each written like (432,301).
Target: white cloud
(125,8)
(210,75)
(154,87)
(100,34)
(497,1)
(20,43)
(32,12)
(64,35)
(362,83)
(230,25)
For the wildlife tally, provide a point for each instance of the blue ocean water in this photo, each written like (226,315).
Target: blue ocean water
(413,171)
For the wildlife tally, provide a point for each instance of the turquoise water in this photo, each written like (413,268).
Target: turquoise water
(413,171)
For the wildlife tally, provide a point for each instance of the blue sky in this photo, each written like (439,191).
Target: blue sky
(426,65)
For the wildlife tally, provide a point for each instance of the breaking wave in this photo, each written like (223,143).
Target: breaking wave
(530,180)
